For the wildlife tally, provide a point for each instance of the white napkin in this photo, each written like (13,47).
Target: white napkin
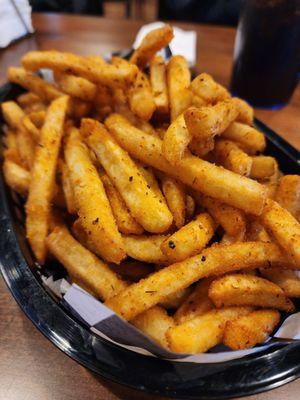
(15,17)
(183,43)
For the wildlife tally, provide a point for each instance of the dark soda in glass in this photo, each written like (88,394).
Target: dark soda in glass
(267,52)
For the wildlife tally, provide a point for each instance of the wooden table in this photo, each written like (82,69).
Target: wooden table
(31,367)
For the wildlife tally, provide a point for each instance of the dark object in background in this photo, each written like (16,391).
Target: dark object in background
(222,12)
(90,7)
(267,52)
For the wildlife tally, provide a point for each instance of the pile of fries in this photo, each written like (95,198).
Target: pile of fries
(152,191)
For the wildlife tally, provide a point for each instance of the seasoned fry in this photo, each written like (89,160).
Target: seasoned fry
(248,290)
(67,188)
(44,90)
(142,202)
(149,175)
(283,227)
(201,148)
(151,44)
(79,109)
(92,204)
(246,112)
(125,222)
(263,167)
(212,261)
(76,86)
(190,239)
(178,79)
(249,330)
(288,194)
(201,175)
(16,177)
(176,140)
(272,183)
(158,80)
(190,207)
(26,147)
(41,189)
(31,128)
(203,332)
(207,89)
(175,195)
(140,97)
(145,248)
(89,68)
(196,304)
(27,99)
(132,270)
(284,278)
(249,139)
(174,300)
(12,114)
(37,118)
(229,155)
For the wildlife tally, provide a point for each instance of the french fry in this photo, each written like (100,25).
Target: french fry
(284,278)
(76,86)
(175,195)
(201,148)
(79,109)
(12,114)
(16,177)
(145,248)
(89,68)
(37,118)
(125,222)
(82,264)
(228,187)
(178,79)
(132,270)
(155,323)
(205,123)
(249,330)
(142,202)
(207,89)
(158,80)
(176,140)
(11,152)
(197,101)
(174,300)
(255,232)
(203,332)
(27,99)
(215,260)
(263,167)
(92,204)
(247,290)
(190,205)
(151,44)
(140,97)
(248,138)
(282,227)
(246,112)
(149,175)
(288,194)
(190,239)
(196,304)
(31,128)
(232,220)
(272,183)
(229,155)
(46,91)
(228,239)
(42,182)
(67,188)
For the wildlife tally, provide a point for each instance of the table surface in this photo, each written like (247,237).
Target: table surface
(31,367)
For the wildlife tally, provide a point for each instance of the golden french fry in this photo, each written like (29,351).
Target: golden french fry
(284,278)
(27,99)
(174,300)
(76,86)
(145,248)
(42,182)
(190,205)
(228,154)
(178,79)
(228,239)
(176,140)
(201,148)
(248,138)
(215,260)
(26,147)
(16,177)
(12,152)
(198,101)
(79,109)
(248,290)
(205,123)
(263,167)
(197,303)
(67,188)
(125,222)
(249,330)
(12,114)
(82,264)
(272,183)
(155,323)
(190,239)
(133,270)
(158,80)
(92,204)
(31,128)
(288,194)
(203,332)
(283,227)
(140,97)
(207,89)
(175,195)
(256,232)
(90,68)
(142,202)
(37,118)
(151,44)
(228,187)
(149,175)
(45,90)
(246,112)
